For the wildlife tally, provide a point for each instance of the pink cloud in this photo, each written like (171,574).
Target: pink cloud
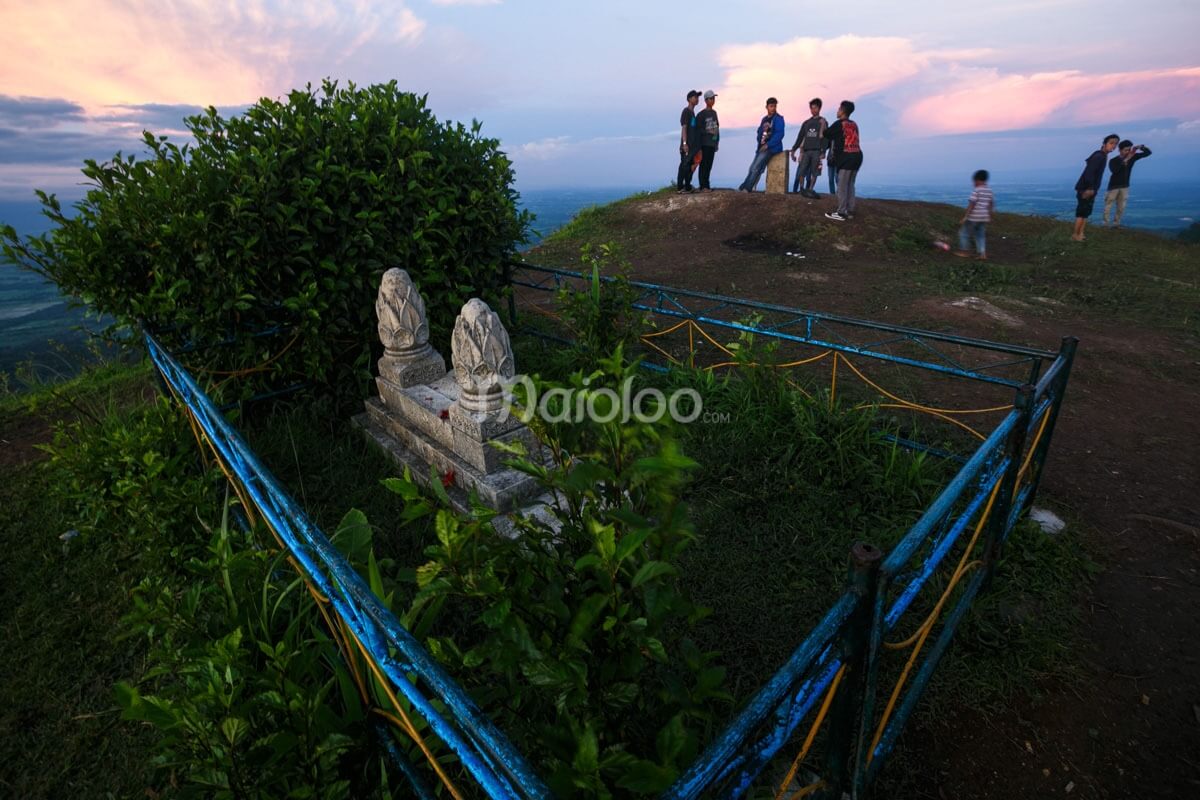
(119,52)
(843,68)
(990,101)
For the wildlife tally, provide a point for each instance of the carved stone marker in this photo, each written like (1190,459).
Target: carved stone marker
(482,357)
(431,420)
(778,169)
(408,358)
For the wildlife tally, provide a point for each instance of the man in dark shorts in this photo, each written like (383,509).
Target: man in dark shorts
(1089,183)
(689,142)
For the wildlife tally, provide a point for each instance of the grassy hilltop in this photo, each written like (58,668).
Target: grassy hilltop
(1123,471)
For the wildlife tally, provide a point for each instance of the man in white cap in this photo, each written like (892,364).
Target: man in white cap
(710,138)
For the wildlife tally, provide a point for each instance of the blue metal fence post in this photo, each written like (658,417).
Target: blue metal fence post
(846,723)
(997,524)
(1058,389)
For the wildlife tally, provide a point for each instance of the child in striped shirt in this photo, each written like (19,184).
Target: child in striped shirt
(976,218)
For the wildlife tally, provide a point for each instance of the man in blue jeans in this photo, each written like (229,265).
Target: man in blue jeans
(769,142)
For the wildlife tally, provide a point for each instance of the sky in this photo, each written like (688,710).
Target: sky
(589,94)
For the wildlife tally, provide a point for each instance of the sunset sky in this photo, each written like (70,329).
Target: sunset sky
(589,94)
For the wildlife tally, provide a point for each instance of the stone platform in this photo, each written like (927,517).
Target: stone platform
(446,425)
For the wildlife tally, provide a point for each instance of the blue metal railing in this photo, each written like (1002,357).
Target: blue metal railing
(849,637)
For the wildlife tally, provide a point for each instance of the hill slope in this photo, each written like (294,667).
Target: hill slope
(1125,460)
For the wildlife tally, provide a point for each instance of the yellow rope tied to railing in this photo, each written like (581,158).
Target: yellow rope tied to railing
(833,380)
(340,632)
(938,414)
(918,406)
(238,373)
(783,365)
(808,741)
(1037,437)
(919,637)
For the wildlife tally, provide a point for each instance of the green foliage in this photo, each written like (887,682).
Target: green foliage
(287,214)
(252,698)
(130,477)
(570,634)
(241,680)
(600,317)
(910,239)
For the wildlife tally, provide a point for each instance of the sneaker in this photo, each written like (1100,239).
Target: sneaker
(962,254)
(981,257)
(836,217)
(814,195)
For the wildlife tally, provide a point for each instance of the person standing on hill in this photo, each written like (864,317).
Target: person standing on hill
(1118,181)
(844,143)
(768,142)
(1089,183)
(710,138)
(978,214)
(689,142)
(810,141)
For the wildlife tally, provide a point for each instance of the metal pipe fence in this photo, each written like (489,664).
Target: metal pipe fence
(853,682)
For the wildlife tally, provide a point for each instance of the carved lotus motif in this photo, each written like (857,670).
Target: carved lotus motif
(401,312)
(482,355)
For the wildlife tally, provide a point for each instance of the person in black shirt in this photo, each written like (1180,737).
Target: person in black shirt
(710,138)
(1118,181)
(1089,183)
(689,142)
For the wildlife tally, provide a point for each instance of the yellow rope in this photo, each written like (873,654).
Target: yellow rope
(239,373)
(1037,437)
(665,331)
(929,620)
(922,632)
(833,379)
(918,406)
(808,740)
(784,365)
(405,723)
(938,414)
(667,355)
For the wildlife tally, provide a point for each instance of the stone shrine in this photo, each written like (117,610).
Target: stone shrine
(427,417)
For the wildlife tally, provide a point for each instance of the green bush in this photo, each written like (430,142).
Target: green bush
(131,479)
(288,215)
(601,317)
(571,635)
(248,691)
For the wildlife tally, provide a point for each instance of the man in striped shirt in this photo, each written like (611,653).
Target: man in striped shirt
(975,220)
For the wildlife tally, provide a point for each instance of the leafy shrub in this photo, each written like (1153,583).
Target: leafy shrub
(131,478)
(287,214)
(248,691)
(601,317)
(571,634)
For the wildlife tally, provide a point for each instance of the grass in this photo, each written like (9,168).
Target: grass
(786,486)
(60,606)
(594,225)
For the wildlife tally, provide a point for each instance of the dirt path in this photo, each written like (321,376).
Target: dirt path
(1125,460)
